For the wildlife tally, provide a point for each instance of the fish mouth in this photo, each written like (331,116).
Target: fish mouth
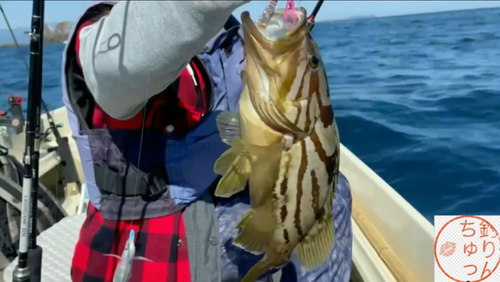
(267,45)
(275,29)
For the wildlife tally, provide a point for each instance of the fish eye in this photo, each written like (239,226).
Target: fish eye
(313,61)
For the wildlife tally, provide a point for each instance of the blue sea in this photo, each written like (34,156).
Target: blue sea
(417,98)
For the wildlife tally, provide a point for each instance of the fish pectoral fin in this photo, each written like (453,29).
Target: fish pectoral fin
(228,125)
(225,161)
(111,255)
(236,167)
(315,248)
(249,238)
(142,258)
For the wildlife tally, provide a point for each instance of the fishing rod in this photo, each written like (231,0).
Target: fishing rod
(30,255)
(312,17)
(269,10)
(52,125)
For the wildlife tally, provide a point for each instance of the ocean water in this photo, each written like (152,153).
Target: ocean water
(416,97)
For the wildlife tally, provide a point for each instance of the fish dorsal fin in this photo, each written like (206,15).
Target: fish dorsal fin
(315,248)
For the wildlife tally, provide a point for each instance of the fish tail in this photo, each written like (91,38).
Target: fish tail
(256,271)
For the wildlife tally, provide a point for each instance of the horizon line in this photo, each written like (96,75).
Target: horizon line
(352,18)
(404,15)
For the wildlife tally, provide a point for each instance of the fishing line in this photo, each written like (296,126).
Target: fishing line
(143,124)
(124,266)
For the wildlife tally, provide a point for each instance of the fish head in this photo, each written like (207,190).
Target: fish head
(283,67)
(274,52)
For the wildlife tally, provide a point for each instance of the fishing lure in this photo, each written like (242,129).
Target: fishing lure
(123,271)
(268,12)
(289,15)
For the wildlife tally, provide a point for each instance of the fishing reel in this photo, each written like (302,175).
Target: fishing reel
(16,118)
(11,122)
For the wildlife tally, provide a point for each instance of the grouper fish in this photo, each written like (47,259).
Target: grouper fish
(284,144)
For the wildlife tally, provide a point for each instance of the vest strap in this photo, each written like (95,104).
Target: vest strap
(132,182)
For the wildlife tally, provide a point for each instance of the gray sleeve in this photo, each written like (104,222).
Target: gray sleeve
(142,46)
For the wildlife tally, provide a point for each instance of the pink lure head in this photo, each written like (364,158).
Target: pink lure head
(289,15)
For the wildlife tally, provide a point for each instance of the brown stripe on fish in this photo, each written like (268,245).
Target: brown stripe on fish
(284,182)
(286,235)
(326,132)
(308,121)
(315,194)
(326,112)
(327,160)
(283,189)
(326,115)
(326,135)
(274,197)
(305,120)
(305,76)
(293,80)
(283,215)
(300,179)
(292,84)
(282,199)
(321,91)
(308,89)
(306,85)
(302,75)
(314,83)
(283,212)
(299,111)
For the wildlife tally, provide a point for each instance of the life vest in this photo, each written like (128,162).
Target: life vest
(180,140)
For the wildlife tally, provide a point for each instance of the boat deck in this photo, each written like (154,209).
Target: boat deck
(58,244)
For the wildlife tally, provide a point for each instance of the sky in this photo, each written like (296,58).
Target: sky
(19,12)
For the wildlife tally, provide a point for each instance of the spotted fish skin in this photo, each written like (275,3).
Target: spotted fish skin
(285,143)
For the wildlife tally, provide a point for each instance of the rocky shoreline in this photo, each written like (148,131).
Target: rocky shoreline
(57,35)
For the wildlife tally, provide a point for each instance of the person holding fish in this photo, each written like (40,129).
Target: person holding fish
(163,98)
